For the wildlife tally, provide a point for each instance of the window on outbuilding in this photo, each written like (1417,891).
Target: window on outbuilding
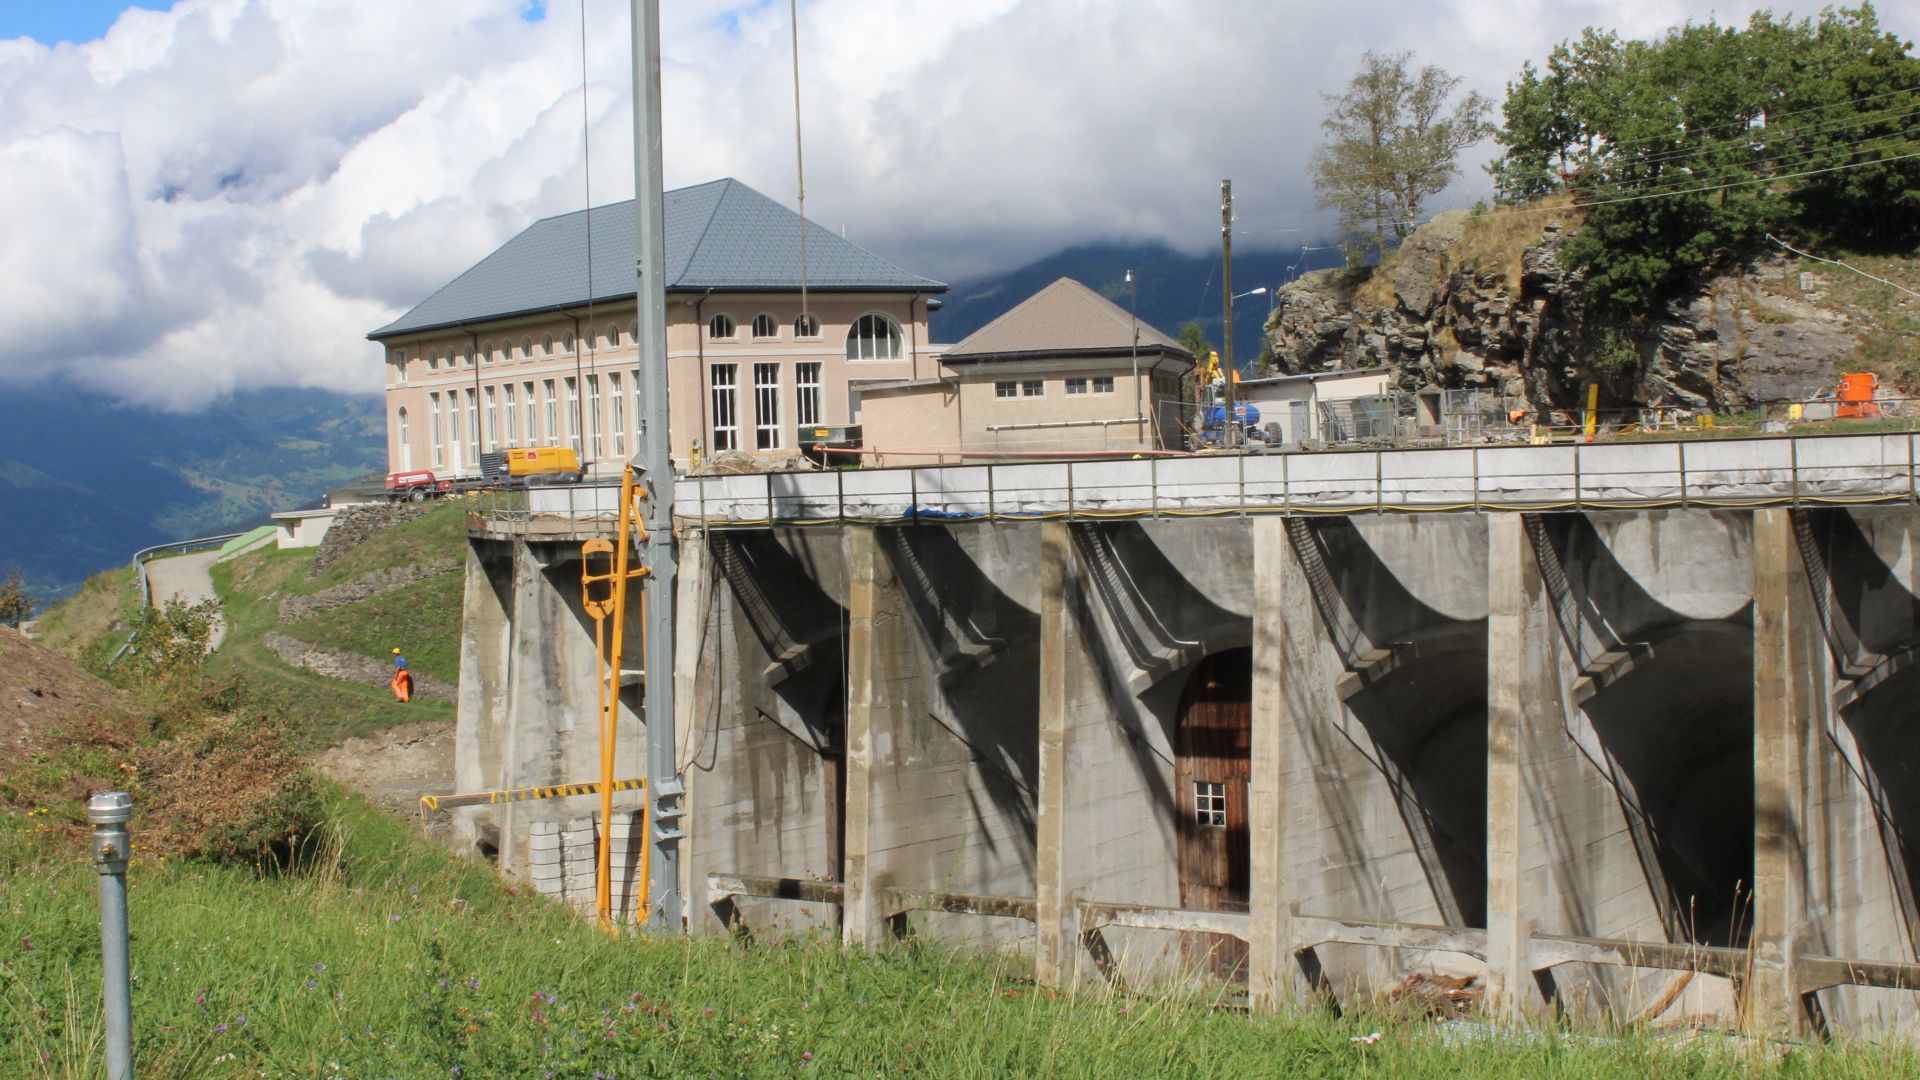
(1210,804)
(1008,388)
(1076,386)
(1103,384)
(1032,388)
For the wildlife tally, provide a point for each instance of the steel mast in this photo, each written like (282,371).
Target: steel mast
(655,460)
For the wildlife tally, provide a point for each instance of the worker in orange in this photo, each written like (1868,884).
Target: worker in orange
(402,679)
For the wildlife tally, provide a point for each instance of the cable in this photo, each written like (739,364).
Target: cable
(1844,266)
(799,158)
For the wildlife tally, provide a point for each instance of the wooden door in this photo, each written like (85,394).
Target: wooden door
(1212,759)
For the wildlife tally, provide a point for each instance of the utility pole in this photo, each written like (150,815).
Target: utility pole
(1133,309)
(656,459)
(1229,420)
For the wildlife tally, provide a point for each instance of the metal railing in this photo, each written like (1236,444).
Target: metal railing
(1754,472)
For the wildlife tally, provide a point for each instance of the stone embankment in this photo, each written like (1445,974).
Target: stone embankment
(1488,302)
(353,525)
(365,587)
(352,667)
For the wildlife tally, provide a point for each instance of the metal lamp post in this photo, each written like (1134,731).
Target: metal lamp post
(109,812)
(1230,419)
(1133,309)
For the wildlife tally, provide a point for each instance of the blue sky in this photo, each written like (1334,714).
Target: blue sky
(49,21)
(65,20)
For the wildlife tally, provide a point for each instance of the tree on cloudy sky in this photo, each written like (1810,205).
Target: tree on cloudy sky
(1393,141)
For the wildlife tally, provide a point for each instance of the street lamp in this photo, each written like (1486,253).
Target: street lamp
(1230,416)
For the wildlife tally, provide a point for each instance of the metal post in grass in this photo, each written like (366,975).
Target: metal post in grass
(109,812)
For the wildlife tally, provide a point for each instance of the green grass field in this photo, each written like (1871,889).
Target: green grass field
(394,958)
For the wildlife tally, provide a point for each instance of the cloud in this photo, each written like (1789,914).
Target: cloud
(230,193)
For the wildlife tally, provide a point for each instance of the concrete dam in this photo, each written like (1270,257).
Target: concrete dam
(1623,731)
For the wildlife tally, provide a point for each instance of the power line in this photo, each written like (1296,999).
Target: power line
(1843,266)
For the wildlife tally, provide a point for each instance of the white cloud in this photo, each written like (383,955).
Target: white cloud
(231,193)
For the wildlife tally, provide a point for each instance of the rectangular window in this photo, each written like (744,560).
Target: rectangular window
(473,428)
(806,393)
(766,406)
(433,428)
(1210,804)
(726,422)
(1005,389)
(1076,386)
(619,421)
(573,415)
(493,421)
(509,414)
(1103,384)
(553,416)
(454,440)
(595,430)
(533,412)
(1032,388)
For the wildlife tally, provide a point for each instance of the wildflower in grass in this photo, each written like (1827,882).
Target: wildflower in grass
(311,984)
(319,967)
(806,1055)
(219,1029)
(199,997)
(473,984)
(395,917)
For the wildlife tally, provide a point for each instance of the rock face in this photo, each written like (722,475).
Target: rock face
(1453,309)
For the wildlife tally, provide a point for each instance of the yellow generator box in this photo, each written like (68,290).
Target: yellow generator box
(542,461)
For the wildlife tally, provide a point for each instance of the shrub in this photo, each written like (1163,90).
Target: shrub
(228,789)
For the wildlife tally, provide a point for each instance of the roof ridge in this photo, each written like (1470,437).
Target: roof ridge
(693,253)
(960,346)
(563,215)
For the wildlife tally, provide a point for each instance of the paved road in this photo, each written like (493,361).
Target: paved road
(185,577)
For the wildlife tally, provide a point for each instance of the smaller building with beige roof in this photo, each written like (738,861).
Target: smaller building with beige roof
(1066,371)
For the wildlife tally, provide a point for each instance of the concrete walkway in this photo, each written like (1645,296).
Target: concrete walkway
(186,578)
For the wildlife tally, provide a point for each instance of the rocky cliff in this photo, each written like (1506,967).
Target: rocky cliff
(1485,300)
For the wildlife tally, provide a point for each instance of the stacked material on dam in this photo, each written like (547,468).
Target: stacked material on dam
(1631,764)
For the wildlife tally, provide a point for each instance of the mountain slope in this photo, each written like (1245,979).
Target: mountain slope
(84,482)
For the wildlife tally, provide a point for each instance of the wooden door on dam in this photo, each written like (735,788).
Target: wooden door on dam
(1212,761)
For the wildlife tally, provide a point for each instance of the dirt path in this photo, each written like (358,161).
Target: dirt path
(396,766)
(186,578)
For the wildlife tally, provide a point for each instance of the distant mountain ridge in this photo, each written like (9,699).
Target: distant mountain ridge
(1173,289)
(84,481)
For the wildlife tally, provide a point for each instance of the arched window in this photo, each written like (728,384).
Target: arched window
(806,326)
(569,343)
(546,347)
(873,337)
(633,330)
(613,336)
(721,328)
(526,348)
(765,328)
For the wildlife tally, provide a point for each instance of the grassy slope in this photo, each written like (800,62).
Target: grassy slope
(397,959)
(423,618)
(89,625)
